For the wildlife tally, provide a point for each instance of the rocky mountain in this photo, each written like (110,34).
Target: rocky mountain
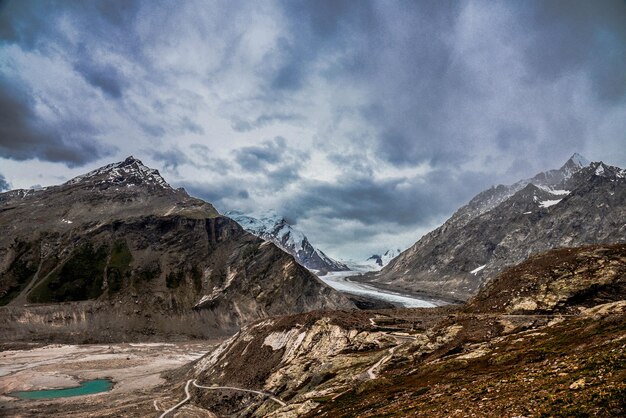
(548,345)
(577,204)
(384,259)
(272,227)
(118,253)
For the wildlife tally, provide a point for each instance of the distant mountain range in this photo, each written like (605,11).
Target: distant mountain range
(384,259)
(580,203)
(272,227)
(136,257)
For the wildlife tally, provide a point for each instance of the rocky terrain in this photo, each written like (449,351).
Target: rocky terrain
(545,338)
(118,254)
(581,203)
(274,228)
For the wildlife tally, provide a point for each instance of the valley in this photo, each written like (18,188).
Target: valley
(312,209)
(187,314)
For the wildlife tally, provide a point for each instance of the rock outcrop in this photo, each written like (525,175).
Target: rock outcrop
(518,348)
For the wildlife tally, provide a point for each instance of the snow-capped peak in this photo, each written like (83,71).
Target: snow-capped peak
(273,227)
(579,160)
(122,172)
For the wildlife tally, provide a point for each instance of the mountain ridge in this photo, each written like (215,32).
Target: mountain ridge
(574,205)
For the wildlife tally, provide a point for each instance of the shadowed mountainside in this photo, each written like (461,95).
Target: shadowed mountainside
(118,254)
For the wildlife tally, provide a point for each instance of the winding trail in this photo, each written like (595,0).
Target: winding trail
(181,403)
(401,339)
(372,372)
(258,392)
(193,381)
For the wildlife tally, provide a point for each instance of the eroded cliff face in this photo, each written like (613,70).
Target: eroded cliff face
(118,252)
(297,358)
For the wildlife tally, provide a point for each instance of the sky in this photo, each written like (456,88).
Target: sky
(365,123)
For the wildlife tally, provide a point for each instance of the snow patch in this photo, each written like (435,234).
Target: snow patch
(557,192)
(203,299)
(478,269)
(548,203)
(560,192)
(599,170)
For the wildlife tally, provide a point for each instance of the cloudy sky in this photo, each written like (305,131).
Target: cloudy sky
(364,123)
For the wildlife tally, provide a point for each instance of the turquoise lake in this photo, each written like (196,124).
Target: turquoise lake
(86,388)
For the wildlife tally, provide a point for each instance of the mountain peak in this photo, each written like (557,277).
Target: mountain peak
(131,171)
(130,159)
(577,160)
(271,226)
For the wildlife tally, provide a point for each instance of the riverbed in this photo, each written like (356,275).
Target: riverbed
(135,371)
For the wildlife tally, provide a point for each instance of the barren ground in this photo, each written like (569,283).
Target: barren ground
(134,368)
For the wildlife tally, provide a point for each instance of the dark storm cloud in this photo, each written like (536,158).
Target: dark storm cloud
(514,137)
(258,158)
(219,195)
(171,159)
(188,125)
(24,136)
(29,23)
(4,184)
(431,91)
(318,28)
(22,21)
(569,35)
(152,129)
(105,77)
(203,158)
(412,76)
(399,52)
(399,201)
(279,163)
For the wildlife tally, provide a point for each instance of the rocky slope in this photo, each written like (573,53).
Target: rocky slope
(546,338)
(575,205)
(272,227)
(118,253)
